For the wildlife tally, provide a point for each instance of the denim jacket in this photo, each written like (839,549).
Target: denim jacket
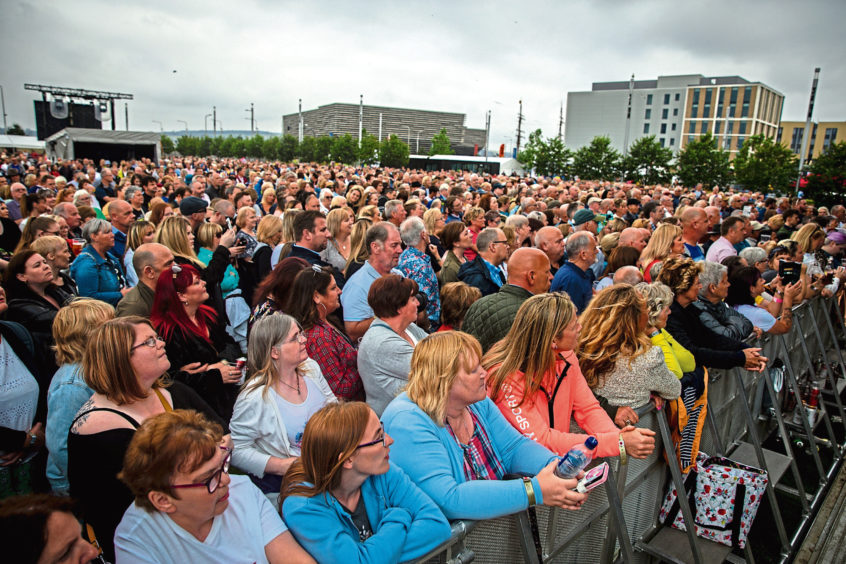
(97,277)
(66,394)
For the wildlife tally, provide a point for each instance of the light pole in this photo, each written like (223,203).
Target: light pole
(186,125)
(417,150)
(3,101)
(206,124)
(161,127)
(409,134)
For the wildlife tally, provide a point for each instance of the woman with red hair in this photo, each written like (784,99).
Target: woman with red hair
(197,345)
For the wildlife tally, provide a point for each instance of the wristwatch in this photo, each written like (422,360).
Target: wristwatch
(33,438)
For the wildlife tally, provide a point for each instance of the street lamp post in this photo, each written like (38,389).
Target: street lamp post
(417,150)
(409,134)
(161,127)
(186,125)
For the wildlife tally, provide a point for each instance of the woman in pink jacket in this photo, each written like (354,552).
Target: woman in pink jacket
(535,380)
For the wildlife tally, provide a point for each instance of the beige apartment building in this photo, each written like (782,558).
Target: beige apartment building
(791,135)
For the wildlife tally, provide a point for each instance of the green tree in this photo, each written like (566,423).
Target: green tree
(270,150)
(702,161)
(288,148)
(16,129)
(344,149)
(647,162)
(552,158)
(827,178)
(368,153)
(322,149)
(255,146)
(762,163)
(441,144)
(306,149)
(393,152)
(597,161)
(528,156)
(187,145)
(167,145)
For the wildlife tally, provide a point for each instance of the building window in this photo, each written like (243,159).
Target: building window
(665,113)
(742,129)
(678,97)
(662,141)
(649,99)
(694,111)
(744,112)
(673,127)
(778,137)
(706,111)
(796,139)
(690,138)
(675,112)
(673,139)
(733,97)
(663,128)
(708,94)
(645,128)
(717,126)
(704,127)
(696,96)
(666,99)
(729,127)
(830,136)
(739,143)
(648,114)
(693,127)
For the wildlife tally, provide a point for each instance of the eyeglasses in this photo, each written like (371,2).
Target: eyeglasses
(300,336)
(499,242)
(151,342)
(377,441)
(214,480)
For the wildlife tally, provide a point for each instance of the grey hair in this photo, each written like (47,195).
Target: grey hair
(61,208)
(753,255)
(377,233)
(578,242)
(391,206)
(538,215)
(485,238)
(131,191)
(93,227)
(411,230)
(712,273)
(657,296)
(516,221)
(79,194)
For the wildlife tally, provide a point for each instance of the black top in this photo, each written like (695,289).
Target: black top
(37,315)
(360,520)
(9,238)
(95,460)
(708,348)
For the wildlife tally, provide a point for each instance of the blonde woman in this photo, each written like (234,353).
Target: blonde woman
(140,232)
(55,251)
(371,212)
(433,219)
(284,388)
(474,218)
(283,248)
(358,250)
(246,220)
(340,222)
(664,243)
(268,235)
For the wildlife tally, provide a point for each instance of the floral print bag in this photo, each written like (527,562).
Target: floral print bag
(724,496)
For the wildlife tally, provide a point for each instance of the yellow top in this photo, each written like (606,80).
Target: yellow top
(679,360)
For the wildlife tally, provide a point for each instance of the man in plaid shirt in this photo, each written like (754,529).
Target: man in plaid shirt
(414,264)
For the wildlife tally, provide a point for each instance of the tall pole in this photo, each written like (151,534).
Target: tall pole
(519,125)
(560,120)
(126,114)
(806,135)
(252,118)
(380,127)
(3,101)
(360,118)
(112,110)
(488,133)
(300,132)
(628,117)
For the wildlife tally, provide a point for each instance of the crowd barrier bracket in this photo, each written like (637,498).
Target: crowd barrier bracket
(829,374)
(826,313)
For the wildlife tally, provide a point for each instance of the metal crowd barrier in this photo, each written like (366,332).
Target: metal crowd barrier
(744,409)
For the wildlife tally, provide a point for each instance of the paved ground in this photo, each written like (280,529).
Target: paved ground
(826,540)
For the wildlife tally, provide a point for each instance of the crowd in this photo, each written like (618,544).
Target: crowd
(221,359)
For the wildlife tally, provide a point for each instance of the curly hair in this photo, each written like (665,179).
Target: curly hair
(657,296)
(680,274)
(612,330)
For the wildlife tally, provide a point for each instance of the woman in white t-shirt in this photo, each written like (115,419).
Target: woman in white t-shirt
(745,285)
(283,390)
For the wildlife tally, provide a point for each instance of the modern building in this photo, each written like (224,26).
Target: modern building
(791,134)
(675,109)
(415,127)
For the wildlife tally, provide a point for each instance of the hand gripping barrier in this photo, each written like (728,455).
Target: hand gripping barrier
(745,409)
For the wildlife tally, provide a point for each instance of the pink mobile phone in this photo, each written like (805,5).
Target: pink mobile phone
(594,477)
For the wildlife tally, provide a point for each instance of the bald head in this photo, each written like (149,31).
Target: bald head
(149,260)
(529,269)
(628,275)
(694,224)
(632,237)
(550,240)
(713,215)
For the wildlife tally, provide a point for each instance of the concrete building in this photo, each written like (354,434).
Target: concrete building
(675,109)
(415,127)
(791,133)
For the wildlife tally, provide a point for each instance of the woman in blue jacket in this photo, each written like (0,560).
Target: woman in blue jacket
(457,446)
(345,502)
(98,274)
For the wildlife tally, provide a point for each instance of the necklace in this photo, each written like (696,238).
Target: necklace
(462,426)
(290,386)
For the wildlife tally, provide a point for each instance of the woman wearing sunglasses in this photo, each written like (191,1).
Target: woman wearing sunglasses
(187,507)
(345,502)
(125,365)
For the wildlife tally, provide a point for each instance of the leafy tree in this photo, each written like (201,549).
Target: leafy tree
(270,150)
(368,153)
(254,146)
(322,149)
(762,163)
(528,156)
(167,145)
(597,161)
(344,149)
(288,148)
(441,144)
(827,178)
(306,149)
(647,162)
(16,129)
(702,161)
(552,158)
(393,152)
(188,145)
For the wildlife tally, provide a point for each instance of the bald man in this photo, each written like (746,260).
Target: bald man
(149,261)
(550,240)
(633,237)
(490,318)
(628,275)
(694,223)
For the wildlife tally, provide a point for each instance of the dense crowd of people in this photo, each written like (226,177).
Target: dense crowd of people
(222,359)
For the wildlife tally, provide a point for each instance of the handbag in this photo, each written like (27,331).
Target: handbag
(724,497)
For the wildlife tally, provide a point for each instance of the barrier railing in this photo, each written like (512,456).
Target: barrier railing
(744,409)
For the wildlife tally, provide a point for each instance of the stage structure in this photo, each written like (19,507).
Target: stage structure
(89,111)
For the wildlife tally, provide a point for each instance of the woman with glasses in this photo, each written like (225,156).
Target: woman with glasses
(345,502)
(35,228)
(283,390)
(125,365)
(187,507)
(199,349)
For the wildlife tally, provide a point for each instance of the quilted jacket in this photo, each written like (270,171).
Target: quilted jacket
(490,318)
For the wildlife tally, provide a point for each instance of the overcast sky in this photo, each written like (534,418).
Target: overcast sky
(181,57)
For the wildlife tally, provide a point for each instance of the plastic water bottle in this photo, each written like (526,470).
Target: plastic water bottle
(576,459)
